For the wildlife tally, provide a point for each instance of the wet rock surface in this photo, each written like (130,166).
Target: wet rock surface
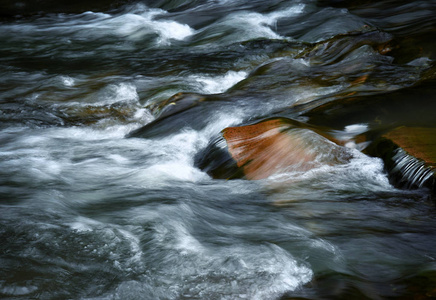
(183,110)
(409,154)
(400,129)
(419,142)
(268,147)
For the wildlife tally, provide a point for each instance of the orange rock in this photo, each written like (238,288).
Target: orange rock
(419,142)
(409,154)
(277,145)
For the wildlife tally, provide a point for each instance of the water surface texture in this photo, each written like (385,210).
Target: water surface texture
(87,212)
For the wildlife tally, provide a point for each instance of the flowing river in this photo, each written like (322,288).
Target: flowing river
(89,212)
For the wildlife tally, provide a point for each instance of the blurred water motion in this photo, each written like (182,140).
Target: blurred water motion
(105,108)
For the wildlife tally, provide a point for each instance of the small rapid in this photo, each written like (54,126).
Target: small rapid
(104,113)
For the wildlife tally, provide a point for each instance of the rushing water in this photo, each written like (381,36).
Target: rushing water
(88,213)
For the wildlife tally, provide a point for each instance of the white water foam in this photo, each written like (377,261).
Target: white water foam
(246,25)
(134,243)
(350,132)
(118,101)
(115,93)
(263,25)
(112,237)
(218,84)
(67,81)
(122,92)
(175,235)
(91,155)
(172,157)
(38,161)
(361,173)
(245,271)
(134,25)
(254,25)
(198,83)
(83,224)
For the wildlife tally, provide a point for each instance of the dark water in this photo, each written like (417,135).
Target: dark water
(86,213)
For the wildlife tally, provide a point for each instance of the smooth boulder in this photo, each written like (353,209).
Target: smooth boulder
(271,146)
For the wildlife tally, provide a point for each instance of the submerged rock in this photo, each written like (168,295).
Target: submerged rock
(409,154)
(268,147)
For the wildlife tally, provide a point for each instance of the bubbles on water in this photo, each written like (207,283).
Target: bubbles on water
(158,89)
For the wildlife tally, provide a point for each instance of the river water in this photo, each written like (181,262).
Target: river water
(89,213)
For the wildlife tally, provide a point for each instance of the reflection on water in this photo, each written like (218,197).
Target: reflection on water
(91,208)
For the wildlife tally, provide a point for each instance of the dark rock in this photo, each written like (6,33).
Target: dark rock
(413,106)
(179,111)
(217,161)
(177,103)
(400,130)
(409,154)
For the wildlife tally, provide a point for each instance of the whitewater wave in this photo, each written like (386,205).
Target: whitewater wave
(134,25)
